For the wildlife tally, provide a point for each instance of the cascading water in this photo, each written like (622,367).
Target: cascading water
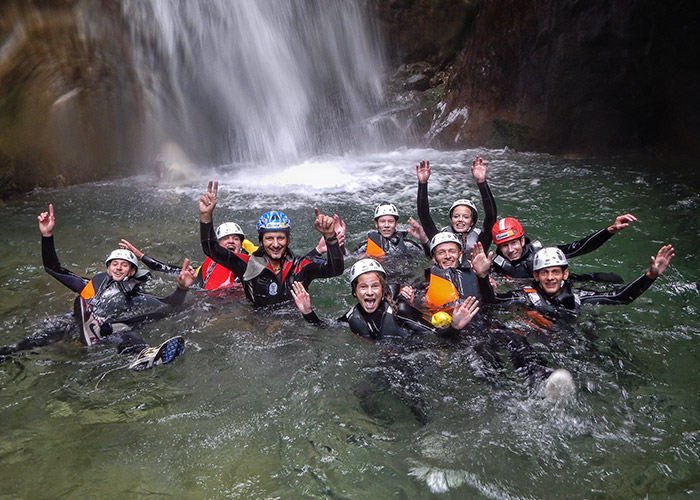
(261,81)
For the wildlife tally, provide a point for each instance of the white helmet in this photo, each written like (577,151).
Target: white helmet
(444,237)
(385,209)
(365,266)
(549,257)
(123,254)
(229,228)
(468,203)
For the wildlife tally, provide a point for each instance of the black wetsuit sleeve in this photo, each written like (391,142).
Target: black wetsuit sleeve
(332,266)
(313,319)
(211,248)
(423,207)
(156,265)
(587,244)
(619,296)
(490,214)
(488,297)
(177,298)
(54,268)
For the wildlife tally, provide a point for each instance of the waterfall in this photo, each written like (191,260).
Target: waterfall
(268,81)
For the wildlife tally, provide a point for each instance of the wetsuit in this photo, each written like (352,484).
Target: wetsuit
(569,298)
(262,285)
(378,247)
(115,303)
(522,267)
(473,234)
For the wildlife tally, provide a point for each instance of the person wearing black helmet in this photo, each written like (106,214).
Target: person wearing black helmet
(210,275)
(515,252)
(386,240)
(551,294)
(109,303)
(268,273)
(463,213)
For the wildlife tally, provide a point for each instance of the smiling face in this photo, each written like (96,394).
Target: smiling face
(232,242)
(447,255)
(386,225)
(369,291)
(513,249)
(275,244)
(550,279)
(461,218)
(119,269)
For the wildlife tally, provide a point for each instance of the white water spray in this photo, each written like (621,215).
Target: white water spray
(257,80)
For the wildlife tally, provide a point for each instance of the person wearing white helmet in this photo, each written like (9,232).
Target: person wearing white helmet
(268,273)
(210,276)
(551,294)
(380,312)
(463,213)
(109,303)
(386,240)
(450,279)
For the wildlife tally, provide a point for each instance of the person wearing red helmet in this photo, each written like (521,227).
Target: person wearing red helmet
(463,213)
(515,251)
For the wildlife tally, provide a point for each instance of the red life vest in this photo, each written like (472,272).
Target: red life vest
(215,276)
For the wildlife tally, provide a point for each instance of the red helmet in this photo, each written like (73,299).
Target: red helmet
(505,230)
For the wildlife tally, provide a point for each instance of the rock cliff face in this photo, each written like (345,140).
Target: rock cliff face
(567,77)
(69,106)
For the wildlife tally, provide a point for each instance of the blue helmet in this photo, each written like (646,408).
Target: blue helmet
(273,221)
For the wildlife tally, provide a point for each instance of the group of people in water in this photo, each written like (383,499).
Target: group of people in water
(453,302)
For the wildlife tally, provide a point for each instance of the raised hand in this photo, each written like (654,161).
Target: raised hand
(660,263)
(621,222)
(339,226)
(423,171)
(128,246)
(479,170)
(416,230)
(47,222)
(481,263)
(465,312)
(301,297)
(187,275)
(324,224)
(207,202)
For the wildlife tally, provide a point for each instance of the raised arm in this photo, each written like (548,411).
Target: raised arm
(423,206)
(210,245)
(629,292)
(596,240)
(487,199)
(47,224)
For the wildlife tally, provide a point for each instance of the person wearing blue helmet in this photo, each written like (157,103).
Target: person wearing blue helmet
(268,273)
